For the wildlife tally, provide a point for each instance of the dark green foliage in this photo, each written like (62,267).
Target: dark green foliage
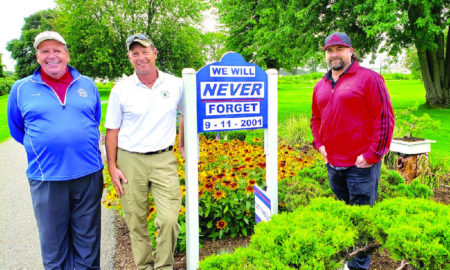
(22,49)
(96,32)
(298,191)
(240,135)
(393,185)
(5,85)
(2,74)
(288,34)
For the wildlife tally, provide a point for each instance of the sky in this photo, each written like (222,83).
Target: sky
(12,19)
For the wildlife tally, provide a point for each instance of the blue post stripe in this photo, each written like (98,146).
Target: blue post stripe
(261,196)
(257,219)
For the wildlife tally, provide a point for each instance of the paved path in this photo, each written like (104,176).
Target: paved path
(19,240)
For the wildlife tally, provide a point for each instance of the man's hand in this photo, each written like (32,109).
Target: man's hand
(362,163)
(116,178)
(323,153)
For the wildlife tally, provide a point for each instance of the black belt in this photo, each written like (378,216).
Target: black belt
(159,151)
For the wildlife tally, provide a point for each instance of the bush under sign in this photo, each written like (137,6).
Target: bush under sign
(231,95)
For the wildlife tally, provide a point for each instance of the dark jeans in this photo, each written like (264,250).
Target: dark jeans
(68,218)
(356,186)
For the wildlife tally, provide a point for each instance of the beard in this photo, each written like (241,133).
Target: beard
(336,65)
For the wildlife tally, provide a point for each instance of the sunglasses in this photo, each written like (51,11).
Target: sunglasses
(138,36)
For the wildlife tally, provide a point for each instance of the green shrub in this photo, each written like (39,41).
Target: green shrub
(296,131)
(5,85)
(321,234)
(239,135)
(242,259)
(415,189)
(313,237)
(415,230)
(300,190)
(399,76)
(209,135)
(392,185)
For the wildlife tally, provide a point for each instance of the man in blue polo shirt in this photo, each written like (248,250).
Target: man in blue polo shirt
(55,114)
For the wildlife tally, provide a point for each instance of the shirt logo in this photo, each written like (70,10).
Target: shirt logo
(36,94)
(165,94)
(82,92)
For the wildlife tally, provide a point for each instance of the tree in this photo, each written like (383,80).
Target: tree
(288,33)
(412,62)
(213,45)
(97,29)
(2,74)
(22,49)
(424,24)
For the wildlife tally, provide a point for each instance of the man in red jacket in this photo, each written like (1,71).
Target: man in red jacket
(352,124)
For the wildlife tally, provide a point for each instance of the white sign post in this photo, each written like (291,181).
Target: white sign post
(271,140)
(191,167)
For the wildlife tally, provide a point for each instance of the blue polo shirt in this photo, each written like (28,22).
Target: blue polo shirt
(61,139)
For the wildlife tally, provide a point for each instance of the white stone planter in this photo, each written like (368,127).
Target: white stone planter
(411,148)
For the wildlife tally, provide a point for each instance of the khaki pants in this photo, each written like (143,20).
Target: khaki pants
(156,173)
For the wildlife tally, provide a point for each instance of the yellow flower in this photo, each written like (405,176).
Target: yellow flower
(251,182)
(221,224)
(249,189)
(182,210)
(219,194)
(234,186)
(208,186)
(183,190)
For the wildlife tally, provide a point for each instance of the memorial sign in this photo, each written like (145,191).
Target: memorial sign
(231,95)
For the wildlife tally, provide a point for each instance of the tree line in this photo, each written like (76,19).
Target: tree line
(271,33)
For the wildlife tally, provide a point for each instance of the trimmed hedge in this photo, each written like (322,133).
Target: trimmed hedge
(321,234)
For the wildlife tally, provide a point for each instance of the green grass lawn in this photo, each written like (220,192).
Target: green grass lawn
(295,99)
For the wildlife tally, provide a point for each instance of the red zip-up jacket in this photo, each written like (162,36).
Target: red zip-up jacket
(354,118)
